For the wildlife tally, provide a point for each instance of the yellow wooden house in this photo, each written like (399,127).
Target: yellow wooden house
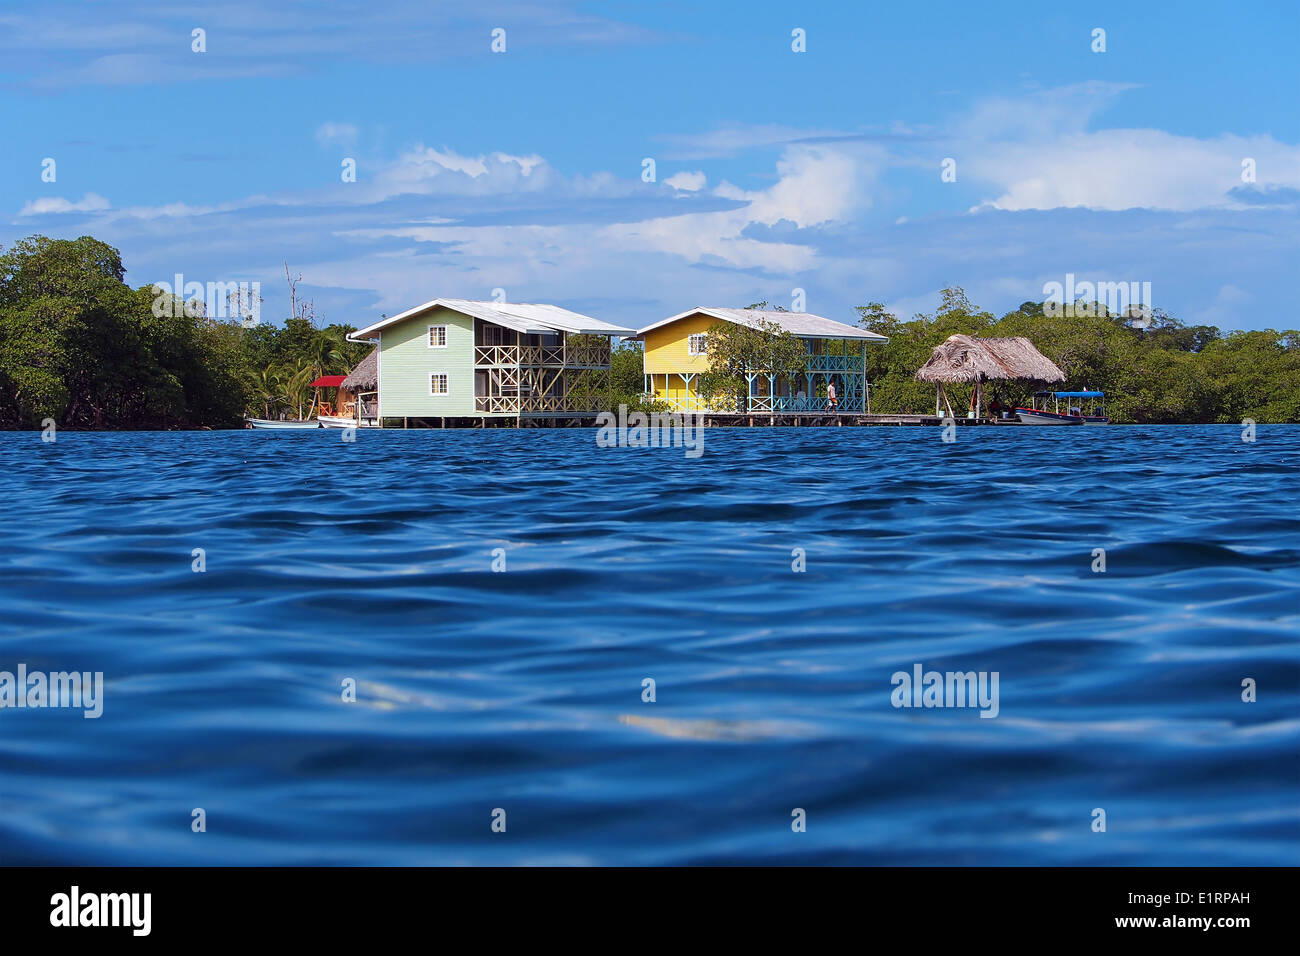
(676,354)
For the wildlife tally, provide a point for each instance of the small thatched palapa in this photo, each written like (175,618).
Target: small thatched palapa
(964,358)
(365,377)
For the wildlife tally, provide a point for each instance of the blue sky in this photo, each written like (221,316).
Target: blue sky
(775,170)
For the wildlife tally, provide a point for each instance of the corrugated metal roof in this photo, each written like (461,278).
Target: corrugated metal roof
(800,323)
(525,317)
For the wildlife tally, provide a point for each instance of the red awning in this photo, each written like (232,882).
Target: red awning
(328,381)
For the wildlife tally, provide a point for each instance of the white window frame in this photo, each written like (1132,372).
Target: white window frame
(446,382)
(690,343)
(429,340)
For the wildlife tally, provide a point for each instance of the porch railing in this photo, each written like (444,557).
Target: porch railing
(792,403)
(596,356)
(496,355)
(835,363)
(575,356)
(514,404)
(763,403)
(496,403)
(541,355)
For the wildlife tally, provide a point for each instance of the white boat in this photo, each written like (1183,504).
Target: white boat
(282,425)
(1033,416)
(1073,415)
(344,421)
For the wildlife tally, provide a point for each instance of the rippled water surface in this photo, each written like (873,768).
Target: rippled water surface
(522,689)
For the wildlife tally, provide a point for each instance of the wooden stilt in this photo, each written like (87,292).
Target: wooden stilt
(947,403)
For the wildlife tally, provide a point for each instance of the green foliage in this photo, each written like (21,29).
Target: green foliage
(1164,372)
(735,349)
(79,346)
(623,384)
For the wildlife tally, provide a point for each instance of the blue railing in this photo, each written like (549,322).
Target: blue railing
(790,403)
(835,363)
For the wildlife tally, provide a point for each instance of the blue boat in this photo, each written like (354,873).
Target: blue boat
(1073,414)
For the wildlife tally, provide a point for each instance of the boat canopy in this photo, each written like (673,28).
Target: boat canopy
(1071,394)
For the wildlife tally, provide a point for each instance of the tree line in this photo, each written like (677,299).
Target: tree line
(1153,367)
(82,348)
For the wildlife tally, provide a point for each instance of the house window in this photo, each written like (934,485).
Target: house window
(437,336)
(438,383)
(697,344)
(495,335)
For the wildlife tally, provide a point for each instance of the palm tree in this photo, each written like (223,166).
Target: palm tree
(296,380)
(328,352)
(265,385)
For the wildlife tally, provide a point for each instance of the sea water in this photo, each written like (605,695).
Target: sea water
(518,646)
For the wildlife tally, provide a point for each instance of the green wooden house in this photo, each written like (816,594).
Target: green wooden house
(461,359)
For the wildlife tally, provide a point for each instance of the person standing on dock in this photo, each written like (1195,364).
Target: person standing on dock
(831,399)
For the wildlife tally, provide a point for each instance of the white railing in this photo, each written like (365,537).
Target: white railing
(496,403)
(541,355)
(588,356)
(545,355)
(496,355)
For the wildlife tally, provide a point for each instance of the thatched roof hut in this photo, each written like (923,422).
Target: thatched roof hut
(365,377)
(964,358)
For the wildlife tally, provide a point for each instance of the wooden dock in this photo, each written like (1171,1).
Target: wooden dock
(823,419)
(707,419)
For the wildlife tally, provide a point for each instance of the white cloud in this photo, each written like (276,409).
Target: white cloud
(825,216)
(687,182)
(1040,152)
(62,43)
(342,134)
(733,139)
(526,164)
(1229,307)
(424,169)
(815,185)
(1128,169)
(90,202)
